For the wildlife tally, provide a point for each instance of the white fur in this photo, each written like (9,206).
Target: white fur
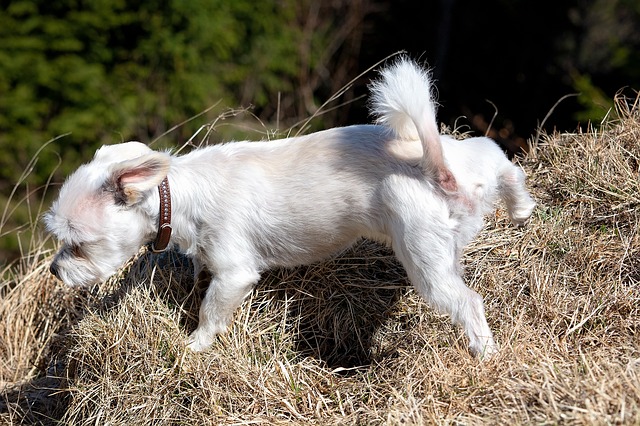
(403,101)
(244,207)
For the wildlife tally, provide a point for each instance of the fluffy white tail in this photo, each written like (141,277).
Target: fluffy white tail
(403,100)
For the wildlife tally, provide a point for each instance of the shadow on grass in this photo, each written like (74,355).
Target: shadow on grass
(332,310)
(336,308)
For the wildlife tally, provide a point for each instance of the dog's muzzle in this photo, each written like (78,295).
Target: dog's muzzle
(53,268)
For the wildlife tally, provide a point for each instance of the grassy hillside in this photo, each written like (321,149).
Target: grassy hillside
(348,341)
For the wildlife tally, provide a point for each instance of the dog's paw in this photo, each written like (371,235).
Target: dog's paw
(199,341)
(484,348)
(488,351)
(521,214)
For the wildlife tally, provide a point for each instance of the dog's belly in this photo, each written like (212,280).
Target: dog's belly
(310,233)
(302,252)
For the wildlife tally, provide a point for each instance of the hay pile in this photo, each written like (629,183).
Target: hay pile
(348,341)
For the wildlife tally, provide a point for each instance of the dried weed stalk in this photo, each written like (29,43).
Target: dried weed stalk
(347,341)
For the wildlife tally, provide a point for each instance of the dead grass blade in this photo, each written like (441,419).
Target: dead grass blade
(347,341)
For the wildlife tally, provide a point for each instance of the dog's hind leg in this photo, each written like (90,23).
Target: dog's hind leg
(224,295)
(430,259)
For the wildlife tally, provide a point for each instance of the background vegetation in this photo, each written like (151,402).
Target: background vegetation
(110,71)
(87,73)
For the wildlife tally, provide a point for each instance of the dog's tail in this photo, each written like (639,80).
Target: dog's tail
(403,100)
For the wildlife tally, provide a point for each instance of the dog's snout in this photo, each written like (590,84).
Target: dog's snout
(54,269)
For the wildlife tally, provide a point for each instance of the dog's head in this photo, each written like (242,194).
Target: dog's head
(103,215)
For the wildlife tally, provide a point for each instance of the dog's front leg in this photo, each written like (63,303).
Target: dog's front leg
(224,295)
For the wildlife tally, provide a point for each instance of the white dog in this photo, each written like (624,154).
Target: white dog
(244,207)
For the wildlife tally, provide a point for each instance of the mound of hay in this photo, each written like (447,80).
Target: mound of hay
(348,341)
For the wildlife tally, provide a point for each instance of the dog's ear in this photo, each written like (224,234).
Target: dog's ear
(130,179)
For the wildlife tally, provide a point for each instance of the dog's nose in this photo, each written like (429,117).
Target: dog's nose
(54,269)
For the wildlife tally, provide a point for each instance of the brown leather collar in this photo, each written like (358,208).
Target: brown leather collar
(164,218)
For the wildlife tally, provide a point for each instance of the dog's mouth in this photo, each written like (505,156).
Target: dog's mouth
(73,274)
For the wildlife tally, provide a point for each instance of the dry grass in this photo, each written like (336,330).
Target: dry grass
(347,341)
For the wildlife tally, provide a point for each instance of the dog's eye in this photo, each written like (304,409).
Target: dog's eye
(76,250)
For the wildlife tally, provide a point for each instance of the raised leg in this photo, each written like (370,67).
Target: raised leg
(224,295)
(514,193)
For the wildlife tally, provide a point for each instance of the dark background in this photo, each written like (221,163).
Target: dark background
(521,56)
